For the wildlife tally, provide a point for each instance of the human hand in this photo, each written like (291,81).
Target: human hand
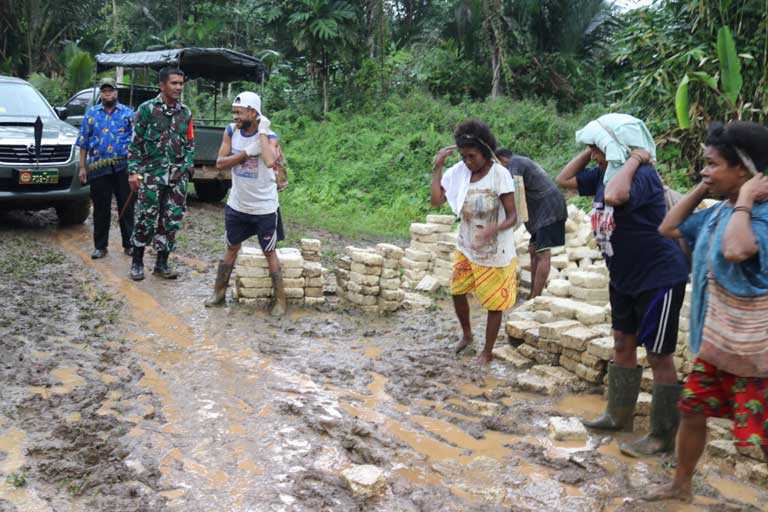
(439,160)
(134,181)
(83,175)
(756,188)
(641,155)
(253,149)
(264,124)
(486,234)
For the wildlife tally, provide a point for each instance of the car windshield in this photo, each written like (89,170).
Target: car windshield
(21,100)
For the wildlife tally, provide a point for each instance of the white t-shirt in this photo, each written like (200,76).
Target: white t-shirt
(254,185)
(481,207)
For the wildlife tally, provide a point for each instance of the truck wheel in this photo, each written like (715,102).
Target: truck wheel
(73,213)
(211,191)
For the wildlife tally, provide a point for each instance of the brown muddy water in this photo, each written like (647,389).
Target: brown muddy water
(123,396)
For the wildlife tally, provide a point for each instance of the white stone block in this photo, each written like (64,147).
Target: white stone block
(428,284)
(410,264)
(364,480)
(422,229)
(312,269)
(367,258)
(370,270)
(242,271)
(588,279)
(559,287)
(441,219)
(414,255)
(390,251)
(290,257)
(310,245)
(566,429)
(363,279)
(601,347)
(592,295)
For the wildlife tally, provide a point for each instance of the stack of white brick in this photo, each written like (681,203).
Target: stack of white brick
(310,249)
(390,295)
(253,285)
(363,287)
(430,252)
(314,273)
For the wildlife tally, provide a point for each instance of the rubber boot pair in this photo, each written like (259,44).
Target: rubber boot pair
(162,269)
(664,421)
(137,264)
(623,389)
(280,306)
(220,286)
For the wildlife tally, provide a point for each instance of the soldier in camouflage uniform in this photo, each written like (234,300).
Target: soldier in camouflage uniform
(160,164)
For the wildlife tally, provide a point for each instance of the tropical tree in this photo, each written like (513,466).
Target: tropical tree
(321,28)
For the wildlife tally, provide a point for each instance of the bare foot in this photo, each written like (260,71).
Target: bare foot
(485,358)
(464,343)
(670,491)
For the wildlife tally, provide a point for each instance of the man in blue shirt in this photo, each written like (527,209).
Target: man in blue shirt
(647,285)
(104,137)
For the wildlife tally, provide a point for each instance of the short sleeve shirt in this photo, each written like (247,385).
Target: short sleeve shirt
(482,207)
(546,205)
(638,257)
(254,185)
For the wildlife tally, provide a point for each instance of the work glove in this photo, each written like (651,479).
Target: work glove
(253,149)
(264,124)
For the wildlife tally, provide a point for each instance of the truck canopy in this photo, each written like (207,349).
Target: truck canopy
(218,64)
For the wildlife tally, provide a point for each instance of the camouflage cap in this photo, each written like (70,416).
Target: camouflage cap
(107,82)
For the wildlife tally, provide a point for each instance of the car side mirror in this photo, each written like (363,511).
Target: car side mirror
(62,112)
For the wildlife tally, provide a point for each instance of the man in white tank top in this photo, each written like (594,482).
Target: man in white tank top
(252,207)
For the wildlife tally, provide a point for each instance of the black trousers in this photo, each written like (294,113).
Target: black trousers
(102,189)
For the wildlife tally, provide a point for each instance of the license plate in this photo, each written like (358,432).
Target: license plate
(42,177)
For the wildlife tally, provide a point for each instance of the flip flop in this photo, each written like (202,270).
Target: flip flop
(460,348)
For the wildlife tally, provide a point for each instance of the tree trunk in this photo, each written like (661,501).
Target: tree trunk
(114,25)
(324,79)
(496,72)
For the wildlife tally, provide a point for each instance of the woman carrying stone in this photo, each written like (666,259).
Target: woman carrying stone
(647,272)
(481,193)
(729,303)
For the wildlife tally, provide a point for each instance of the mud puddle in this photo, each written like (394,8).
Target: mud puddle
(252,413)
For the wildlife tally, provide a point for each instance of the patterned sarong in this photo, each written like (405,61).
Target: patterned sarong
(494,287)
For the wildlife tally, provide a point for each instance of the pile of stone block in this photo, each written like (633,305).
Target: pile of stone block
(310,249)
(429,253)
(314,273)
(390,295)
(369,278)
(253,285)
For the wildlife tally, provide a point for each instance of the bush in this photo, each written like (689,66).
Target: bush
(369,173)
(53,89)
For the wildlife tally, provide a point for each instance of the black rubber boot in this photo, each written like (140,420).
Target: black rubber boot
(220,287)
(161,266)
(664,420)
(137,264)
(623,389)
(281,303)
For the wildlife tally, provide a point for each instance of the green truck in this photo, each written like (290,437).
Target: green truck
(217,64)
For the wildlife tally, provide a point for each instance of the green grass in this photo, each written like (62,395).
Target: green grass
(369,173)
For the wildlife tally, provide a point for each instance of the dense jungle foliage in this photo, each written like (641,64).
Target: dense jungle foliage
(364,92)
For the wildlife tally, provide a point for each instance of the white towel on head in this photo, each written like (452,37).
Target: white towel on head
(616,135)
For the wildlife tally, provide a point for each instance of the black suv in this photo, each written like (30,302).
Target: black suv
(30,180)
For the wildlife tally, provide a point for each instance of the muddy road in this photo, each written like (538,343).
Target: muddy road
(123,396)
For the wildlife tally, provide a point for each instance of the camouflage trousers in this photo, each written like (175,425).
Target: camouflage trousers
(159,210)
